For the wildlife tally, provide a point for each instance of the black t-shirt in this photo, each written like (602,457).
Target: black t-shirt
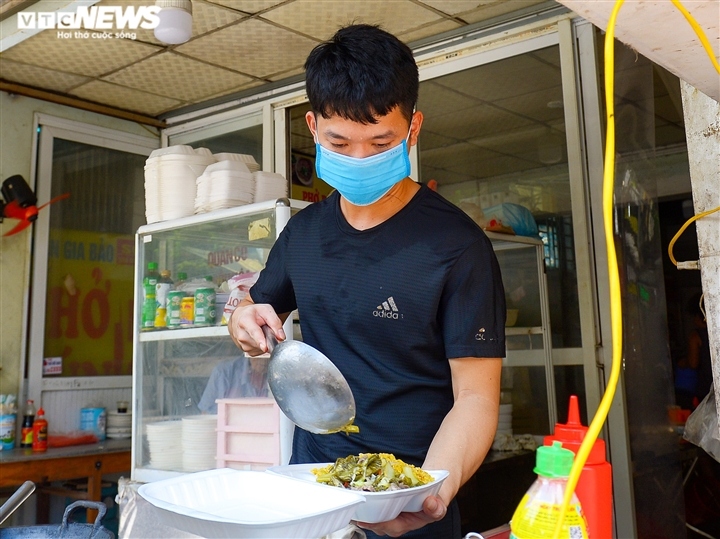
(389,306)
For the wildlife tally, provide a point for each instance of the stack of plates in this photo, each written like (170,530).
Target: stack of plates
(224,184)
(119,425)
(170,176)
(165,451)
(505,420)
(199,442)
(269,186)
(249,160)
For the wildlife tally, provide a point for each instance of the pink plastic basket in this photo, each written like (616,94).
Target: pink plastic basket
(248,434)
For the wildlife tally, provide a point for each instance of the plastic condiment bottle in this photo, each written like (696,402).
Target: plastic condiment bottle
(594,489)
(537,515)
(149,309)
(163,286)
(26,434)
(151,276)
(40,432)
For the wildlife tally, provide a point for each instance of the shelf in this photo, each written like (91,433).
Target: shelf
(510,241)
(524,358)
(184,333)
(172,368)
(512,330)
(247,210)
(244,430)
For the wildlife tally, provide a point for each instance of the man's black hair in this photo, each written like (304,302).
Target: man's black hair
(360,73)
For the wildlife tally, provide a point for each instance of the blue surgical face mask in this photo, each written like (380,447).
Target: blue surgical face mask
(363,180)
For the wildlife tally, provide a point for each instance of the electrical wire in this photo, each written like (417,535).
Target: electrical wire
(699,32)
(613,270)
(682,229)
(613,275)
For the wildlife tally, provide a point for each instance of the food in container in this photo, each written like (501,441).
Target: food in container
(372,472)
(378,506)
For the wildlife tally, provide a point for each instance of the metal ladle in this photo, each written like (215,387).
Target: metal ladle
(309,389)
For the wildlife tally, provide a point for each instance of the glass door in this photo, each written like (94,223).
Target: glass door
(495,142)
(80,336)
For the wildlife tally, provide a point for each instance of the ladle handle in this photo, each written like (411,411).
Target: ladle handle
(270,338)
(16,500)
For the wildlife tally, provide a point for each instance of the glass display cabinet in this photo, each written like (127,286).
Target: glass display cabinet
(184,358)
(527,379)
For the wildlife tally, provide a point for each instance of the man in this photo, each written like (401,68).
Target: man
(398,287)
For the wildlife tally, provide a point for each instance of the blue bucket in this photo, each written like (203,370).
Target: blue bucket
(93,420)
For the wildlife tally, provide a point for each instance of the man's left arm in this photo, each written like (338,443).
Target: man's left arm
(461,443)
(467,432)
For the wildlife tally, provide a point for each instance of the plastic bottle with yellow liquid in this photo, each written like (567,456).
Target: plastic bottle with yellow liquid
(163,286)
(537,515)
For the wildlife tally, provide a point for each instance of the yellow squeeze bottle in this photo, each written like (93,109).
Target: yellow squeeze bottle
(537,515)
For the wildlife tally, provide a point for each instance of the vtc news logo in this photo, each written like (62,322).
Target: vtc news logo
(93,18)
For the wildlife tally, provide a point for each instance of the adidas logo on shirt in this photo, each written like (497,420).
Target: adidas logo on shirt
(387,309)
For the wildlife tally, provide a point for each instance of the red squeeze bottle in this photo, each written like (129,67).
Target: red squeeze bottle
(594,489)
(40,432)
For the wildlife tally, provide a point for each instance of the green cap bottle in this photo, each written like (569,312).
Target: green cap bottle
(553,460)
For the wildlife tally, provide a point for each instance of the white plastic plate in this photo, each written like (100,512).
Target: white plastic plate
(378,506)
(239,504)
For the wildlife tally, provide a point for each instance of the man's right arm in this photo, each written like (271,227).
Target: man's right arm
(245,325)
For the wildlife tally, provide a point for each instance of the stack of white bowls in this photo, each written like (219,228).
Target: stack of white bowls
(249,160)
(224,184)
(199,442)
(269,186)
(505,420)
(165,451)
(119,425)
(170,181)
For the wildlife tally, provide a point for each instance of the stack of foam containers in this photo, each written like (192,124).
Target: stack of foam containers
(224,184)
(269,186)
(170,181)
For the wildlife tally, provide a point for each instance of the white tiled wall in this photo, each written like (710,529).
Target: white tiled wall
(62,408)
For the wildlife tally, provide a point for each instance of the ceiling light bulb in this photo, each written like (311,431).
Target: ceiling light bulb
(175,24)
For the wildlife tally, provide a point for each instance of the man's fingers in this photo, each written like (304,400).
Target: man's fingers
(265,315)
(279,332)
(246,324)
(434,508)
(259,336)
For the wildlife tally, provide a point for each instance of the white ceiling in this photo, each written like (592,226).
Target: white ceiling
(658,31)
(237,45)
(500,120)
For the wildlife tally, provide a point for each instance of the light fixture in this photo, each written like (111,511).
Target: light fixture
(175,24)
(551,147)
